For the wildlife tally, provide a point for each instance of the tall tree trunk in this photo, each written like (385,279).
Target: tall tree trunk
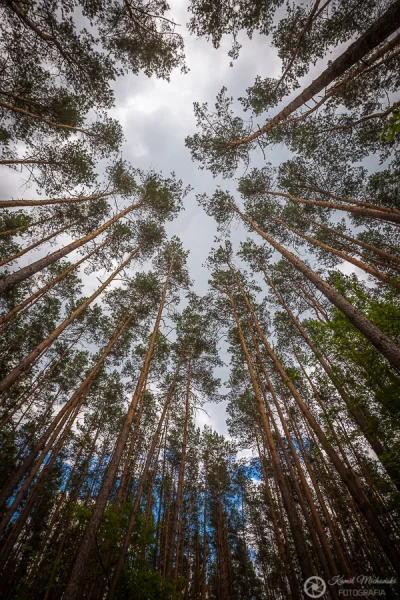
(29,302)
(373,213)
(295,525)
(23,227)
(48,371)
(383,27)
(348,478)
(125,476)
(26,113)
(373,249)
(285,560)
(381,342)
(76,399)
(344,565)
(143,479)
(27,508)
(26,272)
(87,543)
(36,244)
(51,201)
(316,521)
(179,494)
(346,257)
(27,361)
(347,200)
(204,566)
(355,412)
(313,303)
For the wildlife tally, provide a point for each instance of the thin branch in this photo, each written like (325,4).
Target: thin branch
(299,40)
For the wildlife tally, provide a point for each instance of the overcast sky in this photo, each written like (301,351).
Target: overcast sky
(157,116)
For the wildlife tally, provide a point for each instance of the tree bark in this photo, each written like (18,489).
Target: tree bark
(27,361)
(22,227)
(346,257)
(348,478)
(295,525)
(36,244)
(77,398)
(51,201)
(79,568)
(143,478)
(31,115)
(179,494)
(26,272)
(348,200)
(40,292)
(386,255)
(374,212)
(356,413)
(330,565)
(381,342)
(383,27)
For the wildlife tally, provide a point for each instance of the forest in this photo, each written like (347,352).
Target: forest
(115,482)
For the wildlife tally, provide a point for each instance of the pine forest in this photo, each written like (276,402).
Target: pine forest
(200,299)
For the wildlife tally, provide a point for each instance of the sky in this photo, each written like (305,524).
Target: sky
(156,116)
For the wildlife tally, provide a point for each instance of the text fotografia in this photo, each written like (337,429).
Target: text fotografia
(315,586)
(361,592)
(362,579)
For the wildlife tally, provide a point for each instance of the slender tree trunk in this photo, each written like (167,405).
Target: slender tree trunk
(76,399)
(27,361)
(295,526)
(29,302)
(381,342)
(348,478)
(346,200)
(51,201)
(355,412)
(373,249)
(143,479)
(39,383)
(26,272)
(124,483)
(87,543)
(373,213)
(157,545)
(383,27)
(26,510)
(329,566)
(346,257)
(285,560)
(316,306)
(22,227)
(204,567)
(36,244)
(344,565)
(179,494)
(26,113)
(26,161)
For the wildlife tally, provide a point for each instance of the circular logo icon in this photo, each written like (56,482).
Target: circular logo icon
(315,587)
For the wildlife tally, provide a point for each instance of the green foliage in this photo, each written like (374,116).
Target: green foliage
(392,128)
